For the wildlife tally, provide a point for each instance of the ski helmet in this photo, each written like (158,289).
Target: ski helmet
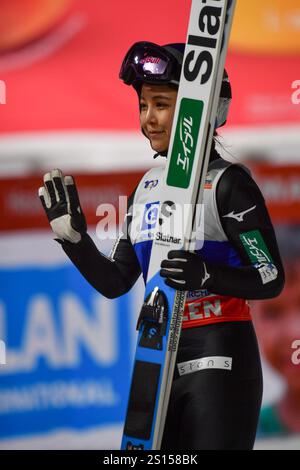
(147,62)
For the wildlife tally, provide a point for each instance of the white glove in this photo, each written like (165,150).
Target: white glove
(60,201)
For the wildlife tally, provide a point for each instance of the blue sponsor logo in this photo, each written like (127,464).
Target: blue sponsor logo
(149,184)
(150,216)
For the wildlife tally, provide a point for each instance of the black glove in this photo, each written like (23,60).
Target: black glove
(185,270)
(60,200)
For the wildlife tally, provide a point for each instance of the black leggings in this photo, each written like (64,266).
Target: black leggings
(213,409)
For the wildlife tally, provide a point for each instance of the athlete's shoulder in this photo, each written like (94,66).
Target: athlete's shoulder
(236,178)
(237,190)
(226,173)
(156,171)
(150,179)
(230,169)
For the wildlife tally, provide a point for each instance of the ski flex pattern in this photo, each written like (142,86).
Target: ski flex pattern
(161,315)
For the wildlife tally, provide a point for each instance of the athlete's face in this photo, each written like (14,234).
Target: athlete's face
(157,106)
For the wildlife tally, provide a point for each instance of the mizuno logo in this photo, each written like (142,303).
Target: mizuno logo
(239,216)
(206,275)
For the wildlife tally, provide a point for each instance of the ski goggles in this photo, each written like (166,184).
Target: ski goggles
(150,63)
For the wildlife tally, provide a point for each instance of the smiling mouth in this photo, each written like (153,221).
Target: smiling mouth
(155,133)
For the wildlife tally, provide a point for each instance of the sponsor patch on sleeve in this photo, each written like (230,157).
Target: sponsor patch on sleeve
(255,247)
(259,255)
(268,272)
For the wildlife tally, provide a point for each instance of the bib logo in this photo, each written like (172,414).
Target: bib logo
(150,216)
(150,184)
(168,218)
(203,309)
(169,222)
(167,209)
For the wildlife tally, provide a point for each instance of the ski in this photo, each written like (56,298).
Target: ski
(160,319)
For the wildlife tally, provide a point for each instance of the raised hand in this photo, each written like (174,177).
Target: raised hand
(60,201)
